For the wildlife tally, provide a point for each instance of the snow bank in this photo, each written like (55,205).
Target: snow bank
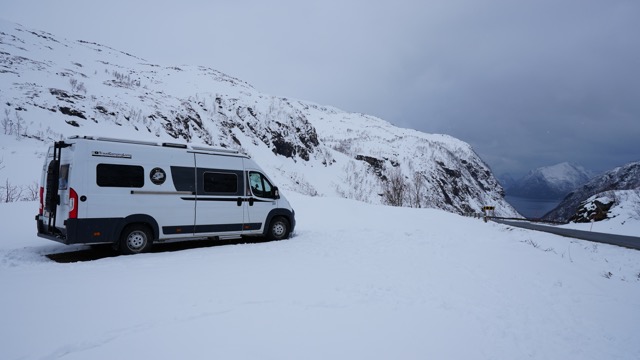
(356,281)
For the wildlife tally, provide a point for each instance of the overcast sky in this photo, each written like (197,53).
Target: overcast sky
(527,83)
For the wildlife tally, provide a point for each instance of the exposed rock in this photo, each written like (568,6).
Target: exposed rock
(592,210)
(626,177)
(376,164)
(72,112)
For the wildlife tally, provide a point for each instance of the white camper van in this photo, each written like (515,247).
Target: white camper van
(131,194)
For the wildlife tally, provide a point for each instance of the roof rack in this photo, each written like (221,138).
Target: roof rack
(124,141)
(215,149)
(220,150)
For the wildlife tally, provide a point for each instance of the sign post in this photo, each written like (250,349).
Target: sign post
(486,210)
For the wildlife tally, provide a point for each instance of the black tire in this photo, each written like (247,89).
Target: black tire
(135,239)
(51,199)
(278,229)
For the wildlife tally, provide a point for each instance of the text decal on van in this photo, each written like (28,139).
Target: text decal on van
(111,155)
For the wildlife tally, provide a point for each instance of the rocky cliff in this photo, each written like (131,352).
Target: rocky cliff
(53,87)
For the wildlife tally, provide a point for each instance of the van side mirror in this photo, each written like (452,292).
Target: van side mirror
(276,193)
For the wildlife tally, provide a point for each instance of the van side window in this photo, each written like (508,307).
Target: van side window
(184,178)
(113,175)
(63,177)
(260,186)
(215,182)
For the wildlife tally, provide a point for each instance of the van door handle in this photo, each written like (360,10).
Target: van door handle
(250,201)
(239,201)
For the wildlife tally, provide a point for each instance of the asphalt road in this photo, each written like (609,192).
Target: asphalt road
(631,242)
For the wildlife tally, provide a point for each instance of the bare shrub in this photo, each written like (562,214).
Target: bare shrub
(394,188)
(9,192)
(415,190)
(31,192)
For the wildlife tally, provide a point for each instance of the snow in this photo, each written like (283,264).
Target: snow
(564,173)
(623,217)
(356,281)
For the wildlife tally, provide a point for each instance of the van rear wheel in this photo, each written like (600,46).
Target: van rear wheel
(135,239)
(278,229)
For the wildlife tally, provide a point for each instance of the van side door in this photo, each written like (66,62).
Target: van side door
(126,180)
(220,209)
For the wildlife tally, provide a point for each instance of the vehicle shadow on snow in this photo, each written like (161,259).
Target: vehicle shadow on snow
(98,252)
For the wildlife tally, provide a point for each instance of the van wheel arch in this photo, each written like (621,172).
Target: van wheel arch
(271,219)
(142,219)
(149,224)
(135,238)
(279,228)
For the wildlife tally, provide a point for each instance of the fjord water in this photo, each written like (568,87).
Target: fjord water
(532,208)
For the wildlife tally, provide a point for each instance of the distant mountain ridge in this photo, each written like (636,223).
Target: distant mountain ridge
(52,87)
(549,182)
(626,177)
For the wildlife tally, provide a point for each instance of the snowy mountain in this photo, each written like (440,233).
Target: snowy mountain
(549,182)
(626,177)
(53,87)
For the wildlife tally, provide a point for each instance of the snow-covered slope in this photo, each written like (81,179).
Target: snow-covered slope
(357,281)
(550,182)
(52,87)
(625,177)
(615,211)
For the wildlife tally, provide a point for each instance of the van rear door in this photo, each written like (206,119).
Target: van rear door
(59,200)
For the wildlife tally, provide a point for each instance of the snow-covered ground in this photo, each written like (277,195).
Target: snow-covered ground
(620,225)
(356,281)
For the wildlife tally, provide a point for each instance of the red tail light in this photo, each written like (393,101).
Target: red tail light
(41,210)
(73,204)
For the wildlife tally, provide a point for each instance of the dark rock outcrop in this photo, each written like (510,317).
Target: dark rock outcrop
(626,177)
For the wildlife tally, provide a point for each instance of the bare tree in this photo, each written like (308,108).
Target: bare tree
(394,188)
(81,88)
(77,86)
(32,192)
(19,126)
(74,84)
(416,188)
(7,123)
(10,192)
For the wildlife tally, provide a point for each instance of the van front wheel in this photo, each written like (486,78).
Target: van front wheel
(135,239)
(278,229)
